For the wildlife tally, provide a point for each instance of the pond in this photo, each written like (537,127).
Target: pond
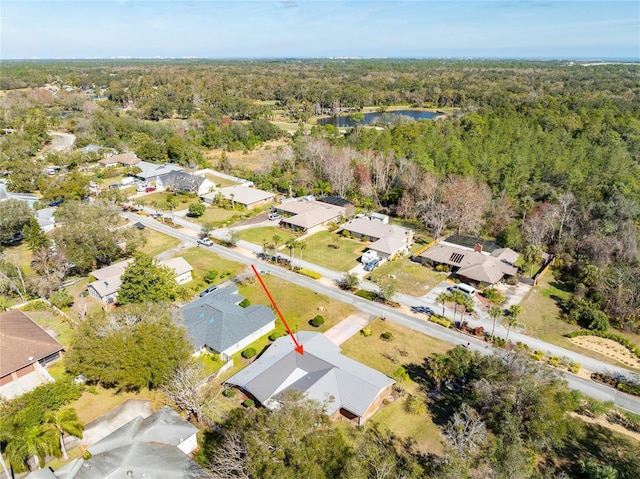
(376,117)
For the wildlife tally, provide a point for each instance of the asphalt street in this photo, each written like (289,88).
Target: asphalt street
(246,253)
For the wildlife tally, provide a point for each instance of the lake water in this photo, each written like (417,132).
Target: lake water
(372,118)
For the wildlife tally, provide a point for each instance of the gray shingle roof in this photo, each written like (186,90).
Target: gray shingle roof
(321,372)
(245,195)
(181,181)
(216,320)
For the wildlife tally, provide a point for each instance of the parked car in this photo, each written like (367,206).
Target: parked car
(149,189)
(56,203)
(371,265)
(205,241)
(210,289)
(423,310)
(274,216)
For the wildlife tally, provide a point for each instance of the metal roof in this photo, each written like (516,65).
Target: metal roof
(322,373)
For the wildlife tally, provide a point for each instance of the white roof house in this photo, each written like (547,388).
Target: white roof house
(108,279)
(387,240)
(152,171)
(307,215)
(249,197)
(344,386)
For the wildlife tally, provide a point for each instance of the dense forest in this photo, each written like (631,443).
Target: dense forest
(540,156)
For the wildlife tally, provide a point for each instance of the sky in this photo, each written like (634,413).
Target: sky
(539,29)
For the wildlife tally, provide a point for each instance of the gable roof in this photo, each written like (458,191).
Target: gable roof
(474,265)
(245,195)
(322,373)
(23,342)
(181,181)
(153,170)
(178,264)
(145,447)
(388,238)
(128,159)
(310,213)
(216,321)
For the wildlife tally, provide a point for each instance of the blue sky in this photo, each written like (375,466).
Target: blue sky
(328,28)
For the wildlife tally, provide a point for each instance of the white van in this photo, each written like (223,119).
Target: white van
(464,288)
(127,180)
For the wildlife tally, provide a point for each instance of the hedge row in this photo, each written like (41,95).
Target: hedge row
(440,320)
(310,273)
(607,335)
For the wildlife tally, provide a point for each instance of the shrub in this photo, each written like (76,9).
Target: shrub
(229,392)
(36,305)
(275,335)
(211,276)
(440,320)
(61,299)
(248,403)
(574,368)
(608,335)
(538,355)
(386,336)
(248,353)
(554,361)
(317,321)
(415,405)
(311,274)
(244,303)
(370,295)
(366,332)
(196,210)
(629,388)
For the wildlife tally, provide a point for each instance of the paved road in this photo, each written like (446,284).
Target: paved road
(245,253)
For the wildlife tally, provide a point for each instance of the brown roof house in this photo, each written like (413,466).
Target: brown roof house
(108,279)
(346,388)
(473,264)
(308,215)
(25,348)
(125,159)
(387,240)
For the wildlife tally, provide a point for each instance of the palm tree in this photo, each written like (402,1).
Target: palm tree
(458,298)
(5,435)
(494,312)
(33,443)
(512,319)
(301,245)
(64,421)
(276,240)
(291,243)
(443,298)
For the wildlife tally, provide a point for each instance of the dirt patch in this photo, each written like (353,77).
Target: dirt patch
(609,348)
(600,421)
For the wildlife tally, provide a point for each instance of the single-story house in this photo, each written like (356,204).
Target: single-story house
(108,279)
(150,172)
(345,387)
(387,240)
(217,323)
(349,208)
(244,195)
(185,182)
(101,150)
(25,348)
(473,264)
(154,447)
(125,159)
(309,215)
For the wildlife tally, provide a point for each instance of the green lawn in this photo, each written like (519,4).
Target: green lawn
(55,325)
(408,349)
(265,234)
(160,198)
(202,260)
(158,242)
(411,278)
(320,251)
(220,181)
(218,216)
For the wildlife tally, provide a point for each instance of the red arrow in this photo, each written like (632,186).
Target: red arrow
(299,348)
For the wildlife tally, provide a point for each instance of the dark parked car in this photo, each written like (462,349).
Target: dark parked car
(210,289)
(422,309)
(371,265)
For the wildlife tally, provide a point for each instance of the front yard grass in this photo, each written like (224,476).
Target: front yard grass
(202,260)
(265,234)
(411,278)
(218,216)
(158,242)
(408,349)
(320,250)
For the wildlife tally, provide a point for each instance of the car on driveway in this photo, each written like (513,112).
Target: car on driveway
(371,265)
(210,289)
(274,216)
(423,310)
(204,241)
(149,189)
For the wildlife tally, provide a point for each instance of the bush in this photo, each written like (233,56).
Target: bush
(317,321)
(229,392)
(554,361)
(275,335)
(370,295)
(386,336)
(366,332)
(244,303)
(211,276)
(574,368)
(538,355)
(36,305)
(196,210)
(311,274)
(248,403)
(440,320)
(248,353)
(61,299)
(415,405)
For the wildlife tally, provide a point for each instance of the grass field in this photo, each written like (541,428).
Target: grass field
(160,198)
(202,260)
(217,216)
(220,181)
(411,278)
(407,348)
(265,234)
(158,242)
(320,251)
(55,325)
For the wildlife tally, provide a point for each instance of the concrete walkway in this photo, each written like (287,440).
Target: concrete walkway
(348,327)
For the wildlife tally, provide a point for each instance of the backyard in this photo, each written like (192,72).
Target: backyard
(407,349)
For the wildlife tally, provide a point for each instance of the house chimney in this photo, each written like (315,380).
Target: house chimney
(477,248)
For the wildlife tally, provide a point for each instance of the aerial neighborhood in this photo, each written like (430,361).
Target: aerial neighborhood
(199,281)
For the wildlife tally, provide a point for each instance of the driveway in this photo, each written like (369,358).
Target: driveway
(348,327)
